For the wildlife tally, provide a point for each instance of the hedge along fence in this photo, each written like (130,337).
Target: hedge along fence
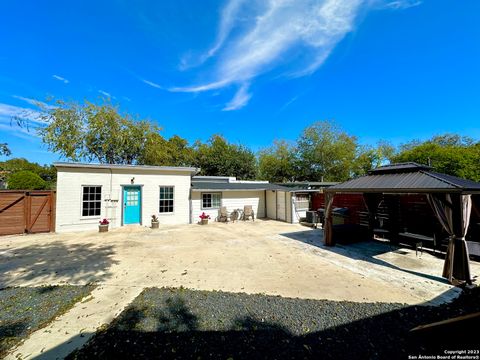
(26,211)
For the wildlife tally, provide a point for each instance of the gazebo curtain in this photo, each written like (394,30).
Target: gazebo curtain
(453,212)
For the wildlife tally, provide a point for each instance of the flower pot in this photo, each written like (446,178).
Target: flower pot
(155,224)
(102,228)
(203,221)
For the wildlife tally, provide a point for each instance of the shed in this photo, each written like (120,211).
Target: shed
(272,201)
(450,198)
(123,194)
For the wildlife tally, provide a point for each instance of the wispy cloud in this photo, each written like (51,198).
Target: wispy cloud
(240,99)
(34,102)
(65,81)
(107,94)
(151,83)
(402,4)
(8,124)
(293,37)
(288,103)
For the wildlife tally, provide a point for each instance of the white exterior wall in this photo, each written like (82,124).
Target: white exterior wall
(69,196)
(271,204)
(232,200)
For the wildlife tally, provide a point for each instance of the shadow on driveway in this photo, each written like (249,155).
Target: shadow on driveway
(56,262)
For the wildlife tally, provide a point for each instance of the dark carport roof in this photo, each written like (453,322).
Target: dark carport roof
(218,186)
(406,178)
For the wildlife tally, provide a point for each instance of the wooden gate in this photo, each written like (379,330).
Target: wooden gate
(26,212)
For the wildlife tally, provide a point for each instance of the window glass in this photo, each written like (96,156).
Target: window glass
(166,199)
(211,200)
(302,201)
(91,200)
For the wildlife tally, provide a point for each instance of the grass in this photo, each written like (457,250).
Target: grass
(24,310)
(186,324)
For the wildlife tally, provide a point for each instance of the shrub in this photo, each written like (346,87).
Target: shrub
(26,180)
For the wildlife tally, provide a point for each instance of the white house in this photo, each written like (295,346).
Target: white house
(123,194)
(131,194)
(270,201)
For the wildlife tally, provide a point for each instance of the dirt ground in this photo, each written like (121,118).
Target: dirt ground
(267,257)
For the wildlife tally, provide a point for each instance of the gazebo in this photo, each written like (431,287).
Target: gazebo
(449,197)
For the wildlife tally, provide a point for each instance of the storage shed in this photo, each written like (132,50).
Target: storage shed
(123,194)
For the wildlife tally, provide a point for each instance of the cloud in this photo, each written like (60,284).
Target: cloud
(104,93)
(9,112)
(151,83)
(8,116)
(401,4)
(34,102)
(290,37)
(240,99)
(60,79)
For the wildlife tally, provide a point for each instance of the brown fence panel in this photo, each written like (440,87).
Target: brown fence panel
(26,212)
(12,212)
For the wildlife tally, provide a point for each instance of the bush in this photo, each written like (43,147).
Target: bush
(25,180)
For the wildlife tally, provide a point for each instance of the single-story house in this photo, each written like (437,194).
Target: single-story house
(131,194)
(272,201)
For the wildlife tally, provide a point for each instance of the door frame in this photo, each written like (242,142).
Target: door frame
(140,188)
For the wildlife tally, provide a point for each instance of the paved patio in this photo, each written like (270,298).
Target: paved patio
(267,257)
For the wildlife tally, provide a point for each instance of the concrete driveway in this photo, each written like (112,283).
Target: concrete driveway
(254,257)
(267,257)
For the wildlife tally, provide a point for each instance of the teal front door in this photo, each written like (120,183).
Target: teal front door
(132,204)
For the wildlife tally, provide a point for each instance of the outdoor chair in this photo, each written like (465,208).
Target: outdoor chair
(223,215)
(248,213)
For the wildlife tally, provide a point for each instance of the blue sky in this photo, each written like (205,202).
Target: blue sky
(254,71)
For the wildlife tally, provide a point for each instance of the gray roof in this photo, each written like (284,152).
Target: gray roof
(133,168)
(218,186)
(406,178)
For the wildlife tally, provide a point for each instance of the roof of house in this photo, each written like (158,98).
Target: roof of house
(190,170)
(406,178)
(235,186)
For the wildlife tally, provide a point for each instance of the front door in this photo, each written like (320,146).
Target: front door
(132,204)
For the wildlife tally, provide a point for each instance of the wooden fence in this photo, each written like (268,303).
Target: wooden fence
(26,211)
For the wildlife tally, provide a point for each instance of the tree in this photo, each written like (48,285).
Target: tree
(370,157)
(25,180)
(47,172)
(219,158)
(449,153)
(95,132)
(278,163)
(172,152)
(326,153)
(5,150)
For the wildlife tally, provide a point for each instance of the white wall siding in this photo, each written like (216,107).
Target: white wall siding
(232,200)
(69,196)
(271,204)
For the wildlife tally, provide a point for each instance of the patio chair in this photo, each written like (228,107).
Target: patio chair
(248,213)
(223,215)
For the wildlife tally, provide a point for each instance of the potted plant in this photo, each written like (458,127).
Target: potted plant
(204,219)
(103,227)
(155,222)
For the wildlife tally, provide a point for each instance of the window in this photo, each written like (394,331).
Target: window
(302,201)
(211,200)
(91,200)
(166,199)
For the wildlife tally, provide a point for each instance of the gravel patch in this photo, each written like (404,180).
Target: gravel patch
(24,310)
(181,323)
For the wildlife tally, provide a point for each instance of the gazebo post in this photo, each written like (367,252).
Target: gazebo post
(328,225)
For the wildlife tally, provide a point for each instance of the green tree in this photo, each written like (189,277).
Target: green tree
(371,157)
(449,153)
(219,158)
(326,153)
(47,172)
(278,163)
(172,152)
(25,180)
(95,132)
